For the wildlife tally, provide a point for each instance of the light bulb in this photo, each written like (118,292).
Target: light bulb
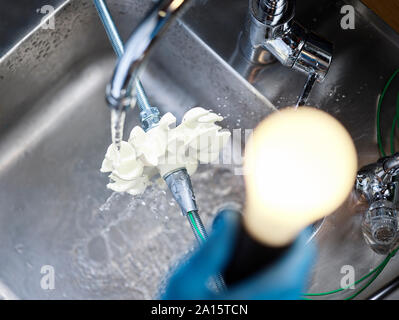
(300,165)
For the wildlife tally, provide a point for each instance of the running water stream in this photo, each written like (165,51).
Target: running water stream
(303,98)
(117,124)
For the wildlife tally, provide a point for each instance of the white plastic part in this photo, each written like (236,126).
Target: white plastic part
(164,149)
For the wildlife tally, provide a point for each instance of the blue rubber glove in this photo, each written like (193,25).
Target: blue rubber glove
(286,279)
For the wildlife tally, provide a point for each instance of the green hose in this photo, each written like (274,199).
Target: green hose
(342,289)
(395,123)
(200,235)
(379,134)
(376,273)
(381,267)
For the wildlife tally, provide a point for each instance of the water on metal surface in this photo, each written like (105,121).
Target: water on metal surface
(55,127)
(56,209)
(118,118)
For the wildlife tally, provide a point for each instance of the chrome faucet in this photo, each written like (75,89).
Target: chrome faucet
(271,33)
(121,92)
(378,183)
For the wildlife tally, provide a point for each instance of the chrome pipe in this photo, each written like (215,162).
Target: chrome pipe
(271,33)
(121,92)
(149,115)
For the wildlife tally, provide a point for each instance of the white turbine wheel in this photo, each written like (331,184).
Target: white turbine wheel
(164,149)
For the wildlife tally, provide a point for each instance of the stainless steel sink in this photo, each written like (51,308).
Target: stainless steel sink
(54,131)
(54,127)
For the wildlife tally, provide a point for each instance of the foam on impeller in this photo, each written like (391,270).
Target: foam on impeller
(148,156)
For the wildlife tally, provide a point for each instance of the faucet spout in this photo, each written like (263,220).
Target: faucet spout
(121,90)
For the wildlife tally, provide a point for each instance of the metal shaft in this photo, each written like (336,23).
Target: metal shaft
(117,45)
(386,290)
(137,49)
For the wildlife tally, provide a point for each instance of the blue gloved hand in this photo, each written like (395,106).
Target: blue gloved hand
(283,280)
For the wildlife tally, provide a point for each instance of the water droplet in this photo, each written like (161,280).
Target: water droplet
(19,248)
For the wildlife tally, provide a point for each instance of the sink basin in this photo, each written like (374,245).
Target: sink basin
(54,131)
